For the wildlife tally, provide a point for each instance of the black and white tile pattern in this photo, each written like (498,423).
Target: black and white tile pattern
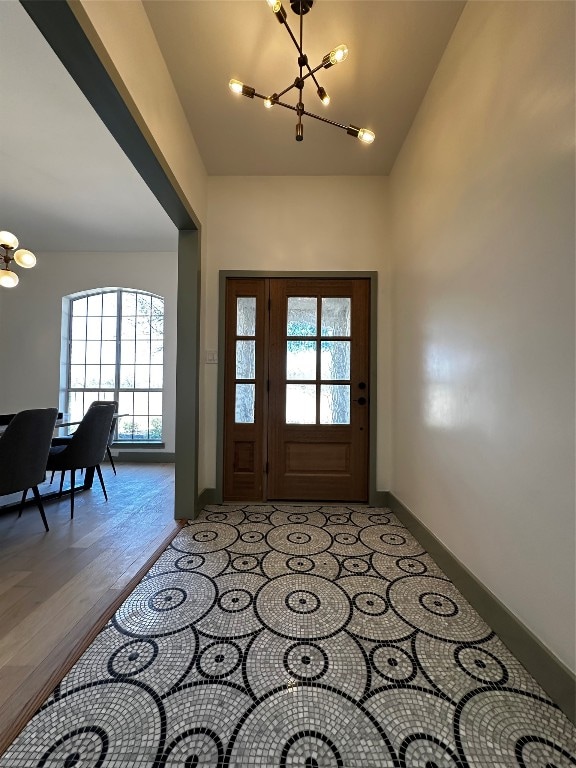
(296,636)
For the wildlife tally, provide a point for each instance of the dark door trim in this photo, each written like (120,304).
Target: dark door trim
(373,277)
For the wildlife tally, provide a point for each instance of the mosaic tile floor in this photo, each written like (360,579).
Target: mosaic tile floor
(317,637)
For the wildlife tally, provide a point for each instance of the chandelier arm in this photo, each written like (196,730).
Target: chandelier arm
(325,120)
(301,53)
(310,74)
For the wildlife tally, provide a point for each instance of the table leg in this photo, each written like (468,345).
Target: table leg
(88,478)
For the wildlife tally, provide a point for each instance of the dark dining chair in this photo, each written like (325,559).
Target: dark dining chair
(24,449)
(65,439)
(85,449)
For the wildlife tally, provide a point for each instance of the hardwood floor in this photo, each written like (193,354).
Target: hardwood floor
(58,589)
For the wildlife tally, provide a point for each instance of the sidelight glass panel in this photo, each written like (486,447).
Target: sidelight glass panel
(245,398)
(301,360)
(300,404)
(245,359)
(335,360)
(301,316)
(334,404)
(246,316)
(336,313)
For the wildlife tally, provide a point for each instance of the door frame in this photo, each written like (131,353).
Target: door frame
(235,273)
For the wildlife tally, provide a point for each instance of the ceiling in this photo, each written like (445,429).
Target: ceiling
(67,186)
(395,47)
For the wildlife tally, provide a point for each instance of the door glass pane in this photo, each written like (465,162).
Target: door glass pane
(336,316)
(244,411)
(334,404)
(301,316)
(245,359)
(335,360)
(246,316)
(301,360)
(300,404)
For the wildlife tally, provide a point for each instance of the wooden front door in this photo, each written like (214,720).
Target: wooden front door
(296,416)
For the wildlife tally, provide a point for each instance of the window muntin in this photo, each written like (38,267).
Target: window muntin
(116,350)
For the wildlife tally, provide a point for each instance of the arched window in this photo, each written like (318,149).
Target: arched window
(115,352)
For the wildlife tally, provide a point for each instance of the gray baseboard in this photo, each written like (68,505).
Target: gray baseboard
(556,679)
(379,499)
(207,496)
(145,457)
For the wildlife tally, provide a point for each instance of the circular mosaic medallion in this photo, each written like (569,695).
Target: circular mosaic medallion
(220,659)
(371,617)
(345,541)
(309,723)
(421,750)
(280,564)
(285,603)
(166,604)
(252,539)
(233,615)
(390,540)
(355,565)
(306,662)
(132,658)
(512,722)
(234,600)
(82,747)
(481,665)
(393,663)
(435,606)
(299,539)
(196,747)
(210,563)
(205,537)
(245,563)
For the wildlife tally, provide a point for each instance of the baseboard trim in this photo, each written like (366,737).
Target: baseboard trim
(207,496)
(556,679)
(145,456)
(379,499)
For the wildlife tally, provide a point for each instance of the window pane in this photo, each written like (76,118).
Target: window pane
(245,359)
(94,328)
(109,304)
(334,404)
(143,327)
(157,352)
(92,375)
(141,403)
(335,363)
(93,352)
(77,376)
(143,304)
(246,316)
(336,314)
(128,330)
(108,377)
(128,303)
(109,328)
(300,404)
(108,352)
(157,325)
(301,316)
(156,376)
(125,402)
(126,376)
(78,327)
(141,376)
(79,307)
(128,351)
(77,352)
(155,428)
(95,305)
(157,306)
(155,399)
(245,397)
(143,352)
(76,406)
(301,360)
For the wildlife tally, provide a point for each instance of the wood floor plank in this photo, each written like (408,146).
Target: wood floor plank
(57,589)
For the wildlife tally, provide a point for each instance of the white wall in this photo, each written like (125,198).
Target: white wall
(296,223)
(31,313)
(483,195)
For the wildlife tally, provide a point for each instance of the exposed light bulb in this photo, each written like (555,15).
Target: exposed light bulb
(366,136)
(324,98)
(24,258)
(235,86)
(8,279)
(268,103)
(8,240)
(338,54)
(275,5)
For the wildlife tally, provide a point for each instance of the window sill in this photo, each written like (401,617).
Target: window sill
(136,444)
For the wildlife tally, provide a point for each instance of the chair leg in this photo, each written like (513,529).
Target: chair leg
(62,474)
(36,493)
(109,452)
(52,476)
(101,481)
(23,501)
(72,484)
